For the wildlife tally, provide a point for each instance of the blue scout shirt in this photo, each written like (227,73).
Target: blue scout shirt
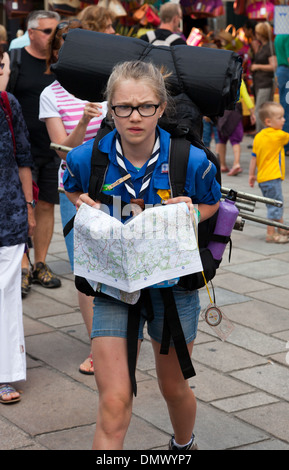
(201,184)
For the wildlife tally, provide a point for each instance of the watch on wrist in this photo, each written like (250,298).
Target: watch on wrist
(31,203)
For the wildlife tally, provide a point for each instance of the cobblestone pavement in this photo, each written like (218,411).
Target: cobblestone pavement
(242,384)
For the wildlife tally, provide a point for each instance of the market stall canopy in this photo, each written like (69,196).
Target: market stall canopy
(210,77)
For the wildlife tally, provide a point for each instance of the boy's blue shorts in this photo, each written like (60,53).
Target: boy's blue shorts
(273,190)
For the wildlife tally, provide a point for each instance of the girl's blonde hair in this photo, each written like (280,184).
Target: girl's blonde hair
(138,71)
(264,29)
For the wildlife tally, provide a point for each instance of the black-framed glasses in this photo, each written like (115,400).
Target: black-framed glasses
(2,66)
(145,110)
(46,31)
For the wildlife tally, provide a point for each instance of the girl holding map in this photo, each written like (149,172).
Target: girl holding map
(137,97)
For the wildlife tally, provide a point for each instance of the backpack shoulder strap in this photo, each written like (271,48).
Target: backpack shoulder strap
(15,61)
(99,164)
(171,38)
(178,162)
(151,36)
(15,55)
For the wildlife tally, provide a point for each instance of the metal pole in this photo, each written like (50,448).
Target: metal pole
(60,148)
(252,197)
(261,220)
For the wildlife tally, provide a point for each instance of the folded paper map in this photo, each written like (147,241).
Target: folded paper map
(157,245)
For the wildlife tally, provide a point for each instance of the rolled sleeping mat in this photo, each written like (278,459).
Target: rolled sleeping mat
(210,77)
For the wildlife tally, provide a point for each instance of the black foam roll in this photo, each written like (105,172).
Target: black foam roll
(210,77)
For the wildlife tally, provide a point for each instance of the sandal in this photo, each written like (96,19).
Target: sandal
(44,276)
(277,238)
(83,368)
(235,171)
(6,389)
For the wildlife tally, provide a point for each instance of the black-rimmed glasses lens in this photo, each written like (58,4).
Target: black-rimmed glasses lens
(2,66)
(145,110)
(46,31)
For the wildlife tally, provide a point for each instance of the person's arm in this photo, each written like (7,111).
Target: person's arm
(271,67)
(25,176)
(57,132)
(207,211)
(252,171)
(244,95)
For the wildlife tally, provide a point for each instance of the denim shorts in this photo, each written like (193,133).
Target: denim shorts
(273,190)
(110,315)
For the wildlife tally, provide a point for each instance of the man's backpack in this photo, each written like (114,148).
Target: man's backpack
(152,38)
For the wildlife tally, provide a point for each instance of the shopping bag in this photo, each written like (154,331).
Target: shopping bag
(229,38)
(203,8)
(260,10)
(195,37)
(146,14)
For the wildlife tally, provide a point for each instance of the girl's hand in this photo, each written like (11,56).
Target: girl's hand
(84,198)
(187,200)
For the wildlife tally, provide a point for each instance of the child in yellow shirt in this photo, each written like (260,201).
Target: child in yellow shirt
(268,157)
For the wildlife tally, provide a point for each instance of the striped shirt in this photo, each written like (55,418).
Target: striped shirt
(55,101)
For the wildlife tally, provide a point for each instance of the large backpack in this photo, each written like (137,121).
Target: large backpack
(184,132)
(185,129)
